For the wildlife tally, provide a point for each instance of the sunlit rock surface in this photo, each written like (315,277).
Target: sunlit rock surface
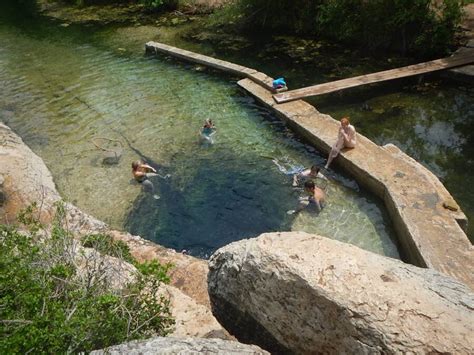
(26,180)
(170,345)
(301,293)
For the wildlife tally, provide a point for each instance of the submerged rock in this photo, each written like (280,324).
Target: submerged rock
(301,293)
(111,157)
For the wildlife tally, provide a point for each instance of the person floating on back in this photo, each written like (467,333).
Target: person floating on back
(346,138)
(141,172)
(311,173)
(207,132)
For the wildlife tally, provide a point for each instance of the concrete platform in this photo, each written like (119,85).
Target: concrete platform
(466,72)
(430,235)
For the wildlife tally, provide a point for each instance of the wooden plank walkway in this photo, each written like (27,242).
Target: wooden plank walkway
(464,58)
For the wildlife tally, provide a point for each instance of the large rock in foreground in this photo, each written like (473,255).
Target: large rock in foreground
(170,345)
(25,179)
(301,293)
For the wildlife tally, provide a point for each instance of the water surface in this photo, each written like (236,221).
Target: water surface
(65,86)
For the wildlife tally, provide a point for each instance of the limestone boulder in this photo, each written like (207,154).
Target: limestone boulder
(26,179)
(171,345)
(187,273)
(300,293)
(191,318)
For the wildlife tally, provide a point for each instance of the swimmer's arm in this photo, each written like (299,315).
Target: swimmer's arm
(148,167)
(295,180)
(344,134)
(321,176)
(350,137)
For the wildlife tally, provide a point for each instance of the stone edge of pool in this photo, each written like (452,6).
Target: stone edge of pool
(430,235)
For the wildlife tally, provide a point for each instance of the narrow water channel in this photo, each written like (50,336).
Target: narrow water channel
(64,86)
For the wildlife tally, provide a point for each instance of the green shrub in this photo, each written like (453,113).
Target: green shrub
(48,305)
(107,245)
(155,269)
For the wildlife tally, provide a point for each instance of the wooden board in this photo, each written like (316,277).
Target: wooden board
(464,58)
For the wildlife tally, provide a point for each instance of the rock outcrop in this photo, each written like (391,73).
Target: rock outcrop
(301,293)
(170,345)
(25,179)
(189,274)
(422,211)
(192,319)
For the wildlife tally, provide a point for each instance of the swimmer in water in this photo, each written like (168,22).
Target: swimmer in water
(307,174)
(316,198)
(141,172)
(207,131)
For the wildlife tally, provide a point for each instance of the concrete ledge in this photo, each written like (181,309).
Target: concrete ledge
(239,70)
(464,73)
(430,235)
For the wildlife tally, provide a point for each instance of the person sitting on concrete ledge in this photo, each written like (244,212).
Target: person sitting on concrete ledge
(346,139)
(279,85)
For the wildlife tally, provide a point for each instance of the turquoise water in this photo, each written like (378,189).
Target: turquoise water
(429,117)
(64,86)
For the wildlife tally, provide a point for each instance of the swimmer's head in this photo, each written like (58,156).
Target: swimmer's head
(315,170)
(136,164)
(309,185)
(345,121)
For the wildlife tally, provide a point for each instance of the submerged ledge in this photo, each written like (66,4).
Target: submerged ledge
(429,234)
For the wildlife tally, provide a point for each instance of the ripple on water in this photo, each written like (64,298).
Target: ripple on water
(66,92)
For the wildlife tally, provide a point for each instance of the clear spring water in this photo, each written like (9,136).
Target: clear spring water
(429,117)
(61,87)
(432,122)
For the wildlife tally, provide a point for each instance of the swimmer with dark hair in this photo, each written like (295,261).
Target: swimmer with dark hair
(316,198)
(307,174)
(141,172)
(207,131)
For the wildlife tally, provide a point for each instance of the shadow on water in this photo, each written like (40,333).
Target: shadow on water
(17,10)
(211,201)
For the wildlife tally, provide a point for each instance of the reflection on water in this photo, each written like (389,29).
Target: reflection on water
(63,87)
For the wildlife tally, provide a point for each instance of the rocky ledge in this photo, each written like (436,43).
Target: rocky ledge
(170,345)
(303,294)
(26,180)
